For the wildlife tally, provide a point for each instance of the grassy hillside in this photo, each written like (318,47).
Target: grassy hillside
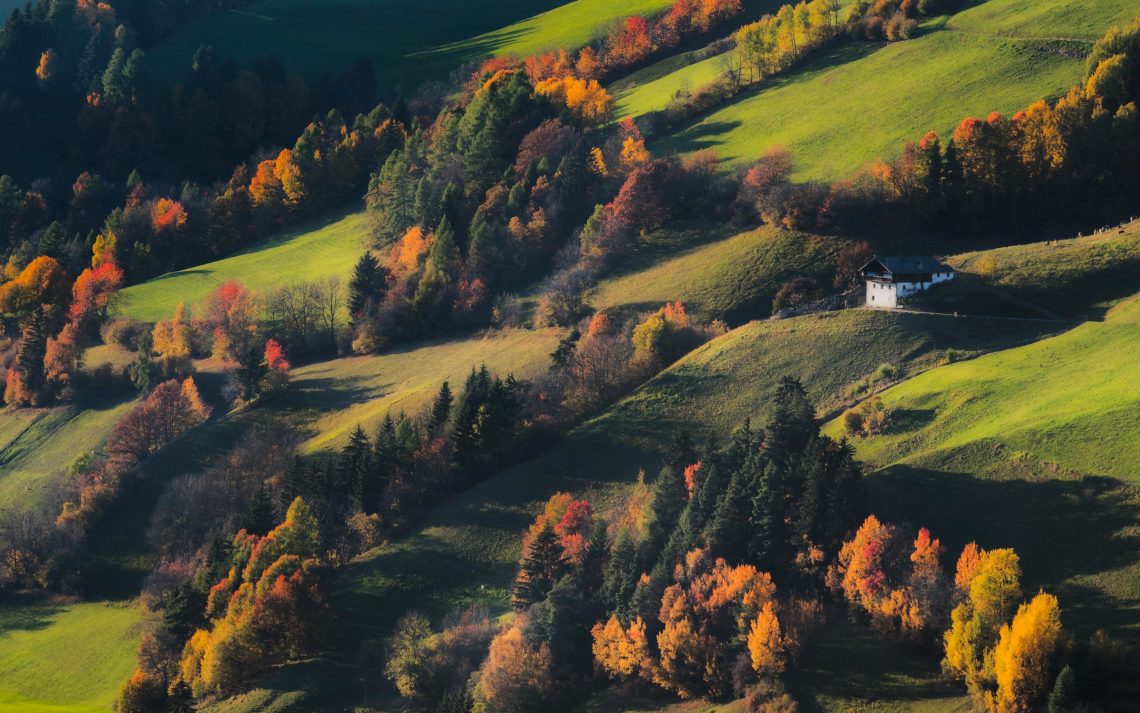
(716,273)
(308,253)
(1072,276)
(857,102)
(406,42)
(1037,448)
(329,399)
(466,551)
(38,445)
(1059,401)
(61,657)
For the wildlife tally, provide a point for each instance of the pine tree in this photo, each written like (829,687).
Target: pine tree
(355,464)
(368,284)
(562,355)
(440,411)
(541,569)
(620,575)
(681,452)
(262,516)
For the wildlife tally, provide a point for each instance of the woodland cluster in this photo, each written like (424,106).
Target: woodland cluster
(711,582)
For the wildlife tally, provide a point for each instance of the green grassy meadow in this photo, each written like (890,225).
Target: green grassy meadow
(62,657)
(38,445)
(1076,276)
(715,273)
(407,43)
(995,55)
(308,253)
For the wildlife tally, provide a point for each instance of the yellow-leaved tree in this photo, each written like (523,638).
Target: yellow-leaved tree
(1023,654)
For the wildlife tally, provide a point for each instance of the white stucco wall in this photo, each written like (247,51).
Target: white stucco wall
(886,295)
(881,295)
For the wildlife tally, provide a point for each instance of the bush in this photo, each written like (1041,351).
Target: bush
(124,332)
(795,293)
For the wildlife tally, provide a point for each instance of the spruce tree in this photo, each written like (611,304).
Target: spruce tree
(262,516)
(355,464)
(440,411)
(620,575)
(541,569)
(669,498)
(729,528)
(368,284)
(681,452)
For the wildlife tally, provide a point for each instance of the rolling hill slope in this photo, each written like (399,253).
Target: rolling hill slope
(38,445)
(856,102)
(715,273)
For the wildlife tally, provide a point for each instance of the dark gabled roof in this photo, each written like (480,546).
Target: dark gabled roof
(909,265)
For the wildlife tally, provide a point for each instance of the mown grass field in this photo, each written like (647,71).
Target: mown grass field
(715,273)
(62,657)
(1036,448)
(853,103)
(407,43)
(466,551)
(309,253)
(38,445)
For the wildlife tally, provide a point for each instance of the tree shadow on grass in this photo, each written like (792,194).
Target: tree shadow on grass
(851,662)
(698,134)
(1070,534)
(27,612)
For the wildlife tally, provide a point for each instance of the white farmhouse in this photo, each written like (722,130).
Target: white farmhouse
(890,279)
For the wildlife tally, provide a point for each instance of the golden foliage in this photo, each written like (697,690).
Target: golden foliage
(1024,651)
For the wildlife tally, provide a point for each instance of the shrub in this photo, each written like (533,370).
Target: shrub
(124,332)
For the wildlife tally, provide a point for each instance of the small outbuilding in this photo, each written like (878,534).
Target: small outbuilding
(890,279)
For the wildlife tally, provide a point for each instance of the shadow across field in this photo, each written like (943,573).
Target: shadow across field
(698,134)
(28,613)
(1079,538)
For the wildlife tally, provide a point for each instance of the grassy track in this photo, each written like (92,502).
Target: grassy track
(857,102)
(60,657)
(407,42)
(715,273)
(306,254)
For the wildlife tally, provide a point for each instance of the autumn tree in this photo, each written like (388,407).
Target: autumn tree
(1024,655)
(264,611)
(622,652)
